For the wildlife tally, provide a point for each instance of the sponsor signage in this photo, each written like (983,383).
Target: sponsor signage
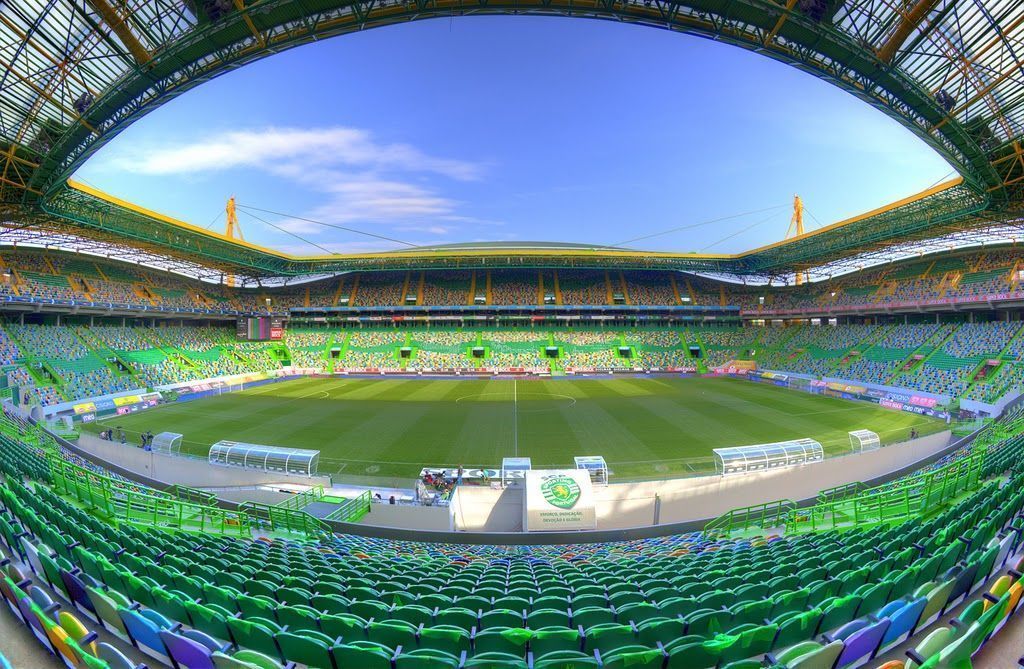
(84,408)
(127,400)
(558,499)
(844,388)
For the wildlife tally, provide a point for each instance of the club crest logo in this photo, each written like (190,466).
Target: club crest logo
(560,491)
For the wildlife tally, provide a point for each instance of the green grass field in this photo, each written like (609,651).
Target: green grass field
(644,427)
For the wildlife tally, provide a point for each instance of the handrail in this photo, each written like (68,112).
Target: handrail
(277,519)
(747,517)
(301,500)
(915,496)
(353,509)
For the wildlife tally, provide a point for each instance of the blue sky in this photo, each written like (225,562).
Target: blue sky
(515,128)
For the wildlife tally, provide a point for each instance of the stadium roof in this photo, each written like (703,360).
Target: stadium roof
(77,72)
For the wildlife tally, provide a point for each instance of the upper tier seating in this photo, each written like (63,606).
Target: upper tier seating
(52,276)
(446,288)
(511,287)
(583,287)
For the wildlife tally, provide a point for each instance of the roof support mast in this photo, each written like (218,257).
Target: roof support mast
(796,229)
(232,230)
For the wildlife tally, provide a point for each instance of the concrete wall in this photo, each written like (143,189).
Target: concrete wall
(424,518)
(632,505)
(247,494)
(479,509)
(619,506)
(192,472)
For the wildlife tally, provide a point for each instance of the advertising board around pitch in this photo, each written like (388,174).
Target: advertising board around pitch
(557,500)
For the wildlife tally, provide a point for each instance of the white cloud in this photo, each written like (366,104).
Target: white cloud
(352,179)
(276,148)
(361,198)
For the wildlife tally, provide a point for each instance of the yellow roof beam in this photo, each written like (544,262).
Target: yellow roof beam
(982,93)
(874,212)
(778,24)
(911,20)
(60,65)
(499,252)
(120,28)
(240,6)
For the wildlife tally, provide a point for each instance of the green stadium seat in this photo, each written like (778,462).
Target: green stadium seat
(501,618)
(309,648)
(347,627)
(608,637)
(243,660)
(638,657)
(692,655)
(426,658)
(565,659)
(299,618)
(368,657)
(459,617)
(495,660)
(756,640)
(255,634)
(707,622)
(392,633)
(447,638)
(548,640)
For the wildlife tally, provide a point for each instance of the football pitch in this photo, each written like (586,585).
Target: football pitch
(646,427)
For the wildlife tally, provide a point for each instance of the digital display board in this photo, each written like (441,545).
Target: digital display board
(259,328)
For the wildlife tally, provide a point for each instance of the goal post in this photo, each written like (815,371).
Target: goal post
(864,440)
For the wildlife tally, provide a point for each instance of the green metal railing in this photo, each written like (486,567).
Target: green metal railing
(121,501)
(300,501)
(352,510)
(849,506)
(760,516)
(194,495)
(270,518)
(840,492)
(916,496)
(172,514)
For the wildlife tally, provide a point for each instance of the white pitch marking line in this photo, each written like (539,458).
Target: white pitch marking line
(515,415)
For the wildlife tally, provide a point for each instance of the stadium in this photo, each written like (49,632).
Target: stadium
(219,453)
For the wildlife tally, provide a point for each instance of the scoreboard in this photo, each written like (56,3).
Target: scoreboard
(260,328)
